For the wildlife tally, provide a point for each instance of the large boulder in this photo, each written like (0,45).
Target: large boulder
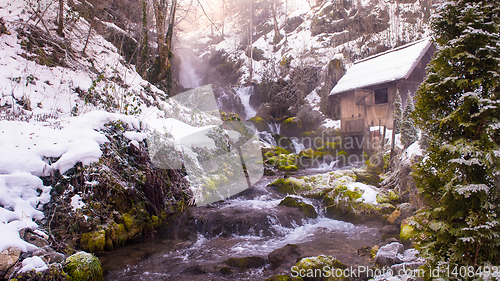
(281,255)
(246,263)
(83,266)
(388,254)
(8,258)
(293,202)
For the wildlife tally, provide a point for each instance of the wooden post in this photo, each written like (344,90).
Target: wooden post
(393,142)
(383,137)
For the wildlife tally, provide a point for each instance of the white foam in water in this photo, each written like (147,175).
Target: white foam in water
(261,202)
(324,167)
(298,145)
(274,128)
(297,235)
(267,138)
(245,93)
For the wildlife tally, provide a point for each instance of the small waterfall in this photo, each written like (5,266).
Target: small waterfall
(267,138)
(245,93)
(298,145)
(188,77)
(326,167)
(275,128)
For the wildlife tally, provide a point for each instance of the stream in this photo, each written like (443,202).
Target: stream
(197,242)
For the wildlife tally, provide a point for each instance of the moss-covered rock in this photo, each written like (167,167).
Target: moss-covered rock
(289,168)
(83,267)
(259,123)
(386,208)
(393,196)
(246,263)
(367,177)
(343,203)
(291,126)
(288,186)
(307,209)
(325,264)
(307,153)
(407,231)
(382,198)
(93,241)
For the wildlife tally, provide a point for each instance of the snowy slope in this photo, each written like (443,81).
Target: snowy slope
(51,115)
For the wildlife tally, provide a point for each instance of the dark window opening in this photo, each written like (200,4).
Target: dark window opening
(381,96)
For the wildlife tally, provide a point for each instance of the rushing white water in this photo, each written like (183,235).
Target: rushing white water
(245,93)
(188,76)
(267,138)
(298,145)
(275,128)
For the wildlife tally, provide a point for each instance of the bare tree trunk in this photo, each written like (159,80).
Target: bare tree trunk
(60,20)
(143,55)
(160,8)
(87,40)
(277,35)
(171,23)
(251,39)
(286,18)
(223,17)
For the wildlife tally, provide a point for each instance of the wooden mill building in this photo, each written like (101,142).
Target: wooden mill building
(368,88)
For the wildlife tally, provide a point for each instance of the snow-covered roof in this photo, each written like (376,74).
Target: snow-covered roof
(385,67)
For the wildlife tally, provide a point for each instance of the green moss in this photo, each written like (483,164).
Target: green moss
(307,153)
(342,153)
(116,235)
(290,168)
(269,154)
(93,241)
(307,209)
(393,196)
(280,150)
(331,145)
(386,208)
(155,220)
(292,124)
(311,264)
(246,263)
(373,251)
(382,198)
(342,203)
(367,178)
(259,123)
(406,232)
(127,221)
(287,186)
(83,267)
(272,160)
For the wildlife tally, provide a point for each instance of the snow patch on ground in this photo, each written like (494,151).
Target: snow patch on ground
(329,123)
(35,263)
(369,194)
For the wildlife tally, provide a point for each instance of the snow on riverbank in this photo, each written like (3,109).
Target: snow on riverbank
(47,123)
(35,149)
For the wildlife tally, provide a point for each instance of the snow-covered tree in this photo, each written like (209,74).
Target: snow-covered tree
(458,106)
(409,133)
(398,113)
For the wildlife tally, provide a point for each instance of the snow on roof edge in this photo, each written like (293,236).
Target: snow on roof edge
(406,75)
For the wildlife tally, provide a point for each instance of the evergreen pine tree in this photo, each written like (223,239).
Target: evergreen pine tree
(409,133)
(398,113)
(458,106)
